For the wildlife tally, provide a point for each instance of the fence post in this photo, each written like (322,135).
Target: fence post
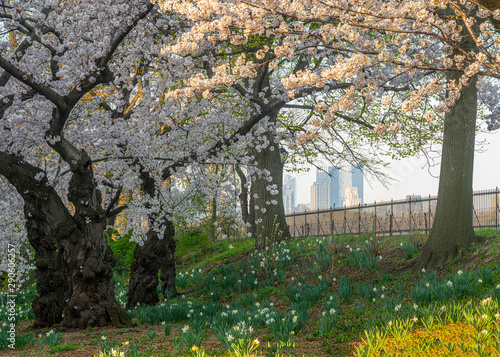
(375,221)
(317,214)
(409,226)
(331,224)
(306,228)
(390,217)
(294,226)
(496,207)
(345,222)
(359,218)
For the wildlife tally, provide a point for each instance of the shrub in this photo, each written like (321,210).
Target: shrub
(123,251)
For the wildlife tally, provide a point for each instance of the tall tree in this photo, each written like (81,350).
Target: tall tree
(453,229)
(376,45)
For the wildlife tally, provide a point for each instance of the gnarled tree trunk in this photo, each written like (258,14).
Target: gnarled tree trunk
(47,222)
(52,282)
(154,256)
(89,258)
(73,260)
(167,275)
(143,279)
(149,259)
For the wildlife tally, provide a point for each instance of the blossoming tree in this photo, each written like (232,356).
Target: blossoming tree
(443,49)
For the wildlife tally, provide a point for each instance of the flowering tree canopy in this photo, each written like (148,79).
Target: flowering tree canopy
(442,50)
(103,97)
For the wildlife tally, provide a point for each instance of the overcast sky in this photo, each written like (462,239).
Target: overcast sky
(412,179)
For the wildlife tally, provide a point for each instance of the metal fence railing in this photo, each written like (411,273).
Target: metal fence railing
(388,218)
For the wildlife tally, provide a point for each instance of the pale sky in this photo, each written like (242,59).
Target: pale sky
(413,179)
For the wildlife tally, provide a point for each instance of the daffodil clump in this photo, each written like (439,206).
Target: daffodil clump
(239,340)
(455,286)
(330,315)
(285,326)
(366,256)
(470,328)
(191,335)
(50,338)
(105,344)
(111,353)
(272,263)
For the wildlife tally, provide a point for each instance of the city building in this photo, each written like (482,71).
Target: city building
(357,180)
(303,207)
(320,192)
(289,190)
(335,185)
(351,197)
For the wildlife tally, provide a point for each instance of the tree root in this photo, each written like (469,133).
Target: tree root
(119,318)
(431,259)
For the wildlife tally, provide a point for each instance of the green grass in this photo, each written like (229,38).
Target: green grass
(64,347)
(385,311)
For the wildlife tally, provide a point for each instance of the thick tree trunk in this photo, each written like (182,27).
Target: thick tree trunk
(167,275)
(52,283)
(73,260)
(48,221)
(144,272)
(89,258)
(247,209)
(270,219)
(156,254)
(452,228)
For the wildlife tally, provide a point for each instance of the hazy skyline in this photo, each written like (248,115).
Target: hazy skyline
(412,179)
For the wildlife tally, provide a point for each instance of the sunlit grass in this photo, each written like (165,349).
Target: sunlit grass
(476,333)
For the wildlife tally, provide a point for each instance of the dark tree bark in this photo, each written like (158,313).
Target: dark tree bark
(149,259)
(52,283)
(452,228)
(48,221)
(154,256)
(73,260)
(167,275)
(144,272)
(89,258)
(247,207)
(271,227)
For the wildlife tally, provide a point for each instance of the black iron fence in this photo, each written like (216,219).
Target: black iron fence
(388,218)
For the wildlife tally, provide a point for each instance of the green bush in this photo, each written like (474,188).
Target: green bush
(123,250)
(190,241)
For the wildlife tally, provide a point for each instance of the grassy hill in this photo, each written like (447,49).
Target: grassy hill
(342,296)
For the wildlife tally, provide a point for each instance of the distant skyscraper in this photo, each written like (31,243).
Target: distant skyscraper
(345,179)
(289,188)
(333,185)
(325,191)
(357,180)
(320,192)
(334,199)
(351,197)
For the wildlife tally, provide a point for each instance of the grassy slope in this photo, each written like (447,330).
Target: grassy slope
(355,315)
